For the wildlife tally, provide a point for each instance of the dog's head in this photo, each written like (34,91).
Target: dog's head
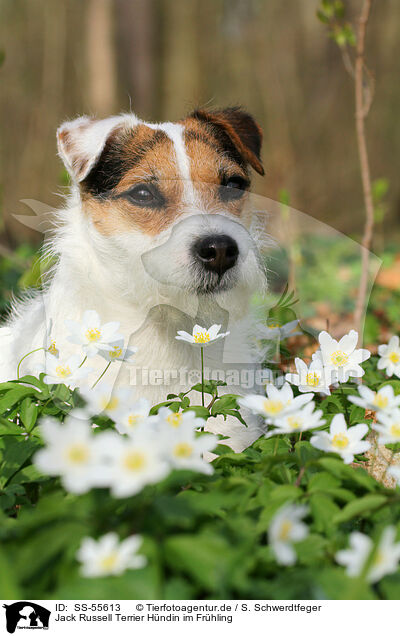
(183,186)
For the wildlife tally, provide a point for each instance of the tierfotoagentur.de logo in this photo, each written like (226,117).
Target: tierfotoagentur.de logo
(26,615)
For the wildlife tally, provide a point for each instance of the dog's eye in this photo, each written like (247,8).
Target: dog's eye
(233,187)
(144,195)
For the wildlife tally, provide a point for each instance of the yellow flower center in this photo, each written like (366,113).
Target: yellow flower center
(312,379)
(108,562)
(284,530)
(273,406)
(273,325)
(340,440)
(78,454)
(378,558)
(395,429)
(201,337)
(394,357)
(339,358)
(53,349)
(109,404)
(381,401)
(115,353)
(183,449)
(133,420)
(135,461)
(63,372)
(175,419)
(93,334)
(294,422)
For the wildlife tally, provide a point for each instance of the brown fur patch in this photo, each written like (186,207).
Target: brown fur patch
(143,155)
(146,156)
(210,166)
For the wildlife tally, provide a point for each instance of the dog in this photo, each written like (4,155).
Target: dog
(158,234)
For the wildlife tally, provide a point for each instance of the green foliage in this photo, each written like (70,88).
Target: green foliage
(11,269)
(333,13)
(204,536)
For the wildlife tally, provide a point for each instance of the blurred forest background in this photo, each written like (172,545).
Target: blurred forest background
(162,58)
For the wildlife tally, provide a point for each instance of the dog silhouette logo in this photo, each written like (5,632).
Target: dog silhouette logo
(26,615)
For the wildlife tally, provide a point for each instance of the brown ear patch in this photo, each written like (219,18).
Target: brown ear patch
(233,126)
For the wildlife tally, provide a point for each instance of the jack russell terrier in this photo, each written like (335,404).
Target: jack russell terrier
(158,234)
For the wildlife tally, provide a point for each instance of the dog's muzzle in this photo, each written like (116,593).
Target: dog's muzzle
(216,253)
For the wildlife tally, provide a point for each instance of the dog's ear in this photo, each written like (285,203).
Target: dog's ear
(82,141)
(241,128)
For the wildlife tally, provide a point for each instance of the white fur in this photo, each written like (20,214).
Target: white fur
(141,281)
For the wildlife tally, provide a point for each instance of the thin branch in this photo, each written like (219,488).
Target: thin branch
(360,114)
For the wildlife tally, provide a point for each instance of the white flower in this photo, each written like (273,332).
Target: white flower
(107,556)
(92,335)
(387,556)
(72,452)
(312,378)
(274,330)
(201,336)
(342,440)
(355,558)
(51,347)
(385,559)
(66,372)
(382,400)
(341,359)
(394,471)
(187,420)
(286,529)
(184,450)
(117,353)
(107,400)
(49,342)
(277,403)
(388,427)
(134,417)
(133,462)
(290,329)
(390,357)
(302,420)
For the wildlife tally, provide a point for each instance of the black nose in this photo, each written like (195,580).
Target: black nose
(217,253)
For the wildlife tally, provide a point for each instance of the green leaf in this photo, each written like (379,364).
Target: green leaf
(28,413)
(10,428)
(15,395)
(390,587)
(323,481)
(311,551)
(335,584)
(344,472)
(29,474)
(322,17)
(210,386)
(360,508)
(174,406)
(201,411)
(395,384)
(207,559)
(8,583)
(15,454)
(323,510)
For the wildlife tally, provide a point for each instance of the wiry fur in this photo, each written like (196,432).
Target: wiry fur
(145,282)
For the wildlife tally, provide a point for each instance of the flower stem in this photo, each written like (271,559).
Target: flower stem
(202,375)
(100,376)
(83,362)
(345,406)
(25,356)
